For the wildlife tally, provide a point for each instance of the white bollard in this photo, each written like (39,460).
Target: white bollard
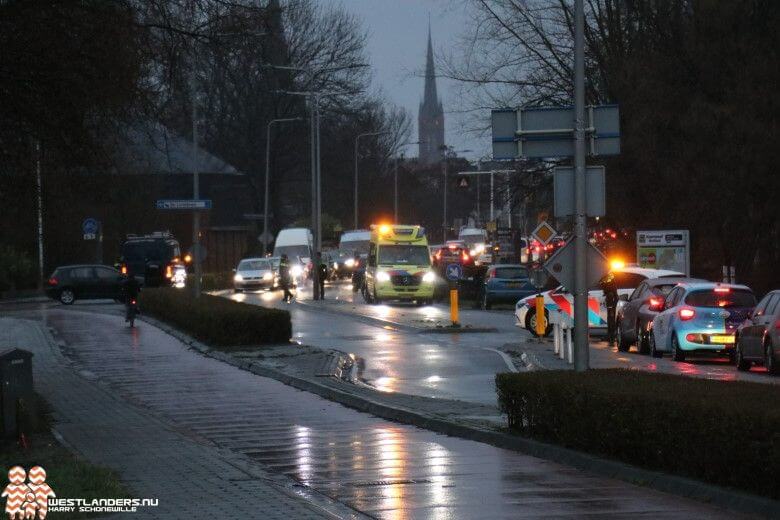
(569,347)
(556,338)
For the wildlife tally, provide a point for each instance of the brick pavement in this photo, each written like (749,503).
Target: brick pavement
(191,477)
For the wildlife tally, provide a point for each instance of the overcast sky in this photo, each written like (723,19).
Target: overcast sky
(398,31)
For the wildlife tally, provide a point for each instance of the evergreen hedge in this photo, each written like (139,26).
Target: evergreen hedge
(722,432)
(217,321)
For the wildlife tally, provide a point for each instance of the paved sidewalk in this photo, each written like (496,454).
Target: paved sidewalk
(191,477)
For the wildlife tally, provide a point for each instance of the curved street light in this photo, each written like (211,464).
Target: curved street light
(267,175)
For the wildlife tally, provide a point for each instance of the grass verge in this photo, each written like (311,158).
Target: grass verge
(724,433)
(68,476)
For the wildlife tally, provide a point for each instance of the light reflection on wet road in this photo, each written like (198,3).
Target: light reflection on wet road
(387,470)
(453,366)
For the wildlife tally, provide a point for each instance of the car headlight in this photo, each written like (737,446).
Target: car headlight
(268,276)
(335,266)
(429,277)
(238,278)
(296,270)
(349,262)
(382,276)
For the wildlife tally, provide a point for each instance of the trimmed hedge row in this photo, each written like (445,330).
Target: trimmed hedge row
(725,433)
(216,281)
(217,321)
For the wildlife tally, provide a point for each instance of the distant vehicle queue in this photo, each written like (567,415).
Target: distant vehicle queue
(658,311)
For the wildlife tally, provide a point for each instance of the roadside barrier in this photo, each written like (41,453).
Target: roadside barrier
(563,325)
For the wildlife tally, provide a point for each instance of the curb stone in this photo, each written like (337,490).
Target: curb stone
(674,485)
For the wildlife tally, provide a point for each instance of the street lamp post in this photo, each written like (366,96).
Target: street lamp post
(357,140)
(447,152)
(196,256)
(267,175)
(316,186)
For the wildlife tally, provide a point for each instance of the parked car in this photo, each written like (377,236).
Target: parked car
(636,314)
(559,299)
(253,274)
(84,282)
(758,338)
(506,283)
(700,317)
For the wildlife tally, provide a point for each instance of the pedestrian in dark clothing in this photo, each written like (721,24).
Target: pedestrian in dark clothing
(610,300)
(285,279)
(323,272)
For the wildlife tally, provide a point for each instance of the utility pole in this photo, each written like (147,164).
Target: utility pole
(581,346)
(444,189)
(195,194)
(316,185)
(39,194)
(268,176)
(313,102)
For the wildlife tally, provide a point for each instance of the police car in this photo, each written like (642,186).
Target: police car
(559,299)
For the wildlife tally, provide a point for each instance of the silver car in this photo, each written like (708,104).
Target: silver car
(253,274)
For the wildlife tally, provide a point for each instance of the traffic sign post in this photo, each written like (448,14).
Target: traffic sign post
(184,204)
(545,132)
(453,273)
(92,229)
(563,184)
(544,233)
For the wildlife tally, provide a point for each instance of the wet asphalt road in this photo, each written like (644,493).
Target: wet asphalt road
(453,366)
(386,470)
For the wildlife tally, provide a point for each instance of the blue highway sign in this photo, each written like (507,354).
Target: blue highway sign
(454,272)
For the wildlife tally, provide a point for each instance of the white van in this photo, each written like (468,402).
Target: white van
(356,240)
(296,243)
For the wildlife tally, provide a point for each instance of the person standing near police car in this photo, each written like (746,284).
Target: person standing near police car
(610,301)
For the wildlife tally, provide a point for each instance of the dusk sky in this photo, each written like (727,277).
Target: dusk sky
(397,41)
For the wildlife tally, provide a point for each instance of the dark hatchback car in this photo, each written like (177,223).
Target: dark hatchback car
(84,282)
(152,258)
(636,314)
(506,283)
(758,338)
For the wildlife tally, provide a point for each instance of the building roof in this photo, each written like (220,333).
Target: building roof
(151,148)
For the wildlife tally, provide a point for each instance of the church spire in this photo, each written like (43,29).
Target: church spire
(431,96)
(430,118)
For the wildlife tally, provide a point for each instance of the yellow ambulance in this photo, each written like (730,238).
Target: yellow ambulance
(399,265)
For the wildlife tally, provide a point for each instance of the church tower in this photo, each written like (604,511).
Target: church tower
(430,118)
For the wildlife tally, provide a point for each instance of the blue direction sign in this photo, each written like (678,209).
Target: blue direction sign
(90,226)
(454,272)
(189,204)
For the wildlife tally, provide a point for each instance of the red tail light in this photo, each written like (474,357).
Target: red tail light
(777,324)
(722,290)
(687,314)
(465,256)
(133,302)
(53,281)
(169,271)
(123,269)
(656,303)
(492,274)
